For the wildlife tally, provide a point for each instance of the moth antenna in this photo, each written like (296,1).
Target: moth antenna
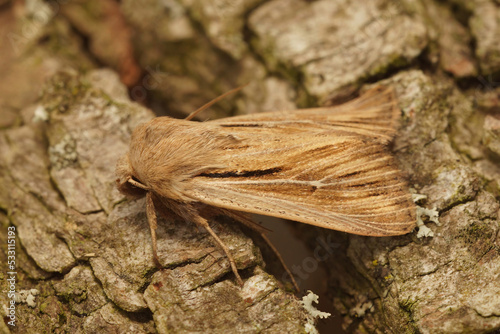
(209,104)
(277,253)
(137,184)
(204,223)
(151,214)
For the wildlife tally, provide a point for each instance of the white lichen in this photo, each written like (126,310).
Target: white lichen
(40,114)
(257,287)
(433,214)
(63,153)
(361,309)
(418,197)
(307,302)
(27,296)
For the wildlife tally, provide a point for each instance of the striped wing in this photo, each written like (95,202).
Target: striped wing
(375,114)
(318,167)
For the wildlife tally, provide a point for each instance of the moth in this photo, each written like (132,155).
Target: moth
(329,167)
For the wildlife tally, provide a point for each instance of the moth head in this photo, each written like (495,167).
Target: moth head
(126,181)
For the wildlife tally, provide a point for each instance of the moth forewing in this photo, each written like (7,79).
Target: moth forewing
(336,181)
(328,167)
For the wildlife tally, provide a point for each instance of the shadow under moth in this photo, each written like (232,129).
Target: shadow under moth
(329,167)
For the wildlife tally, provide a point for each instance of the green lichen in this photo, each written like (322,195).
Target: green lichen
(394,61)
(409,305)
(478,230)
(43,307)
(63,90)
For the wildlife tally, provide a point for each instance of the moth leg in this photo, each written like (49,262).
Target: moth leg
(151,213)
(204,223)
(262,230)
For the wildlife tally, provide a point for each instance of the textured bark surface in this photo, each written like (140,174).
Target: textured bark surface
(86,250)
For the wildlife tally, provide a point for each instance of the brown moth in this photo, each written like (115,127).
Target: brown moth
(329,167)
